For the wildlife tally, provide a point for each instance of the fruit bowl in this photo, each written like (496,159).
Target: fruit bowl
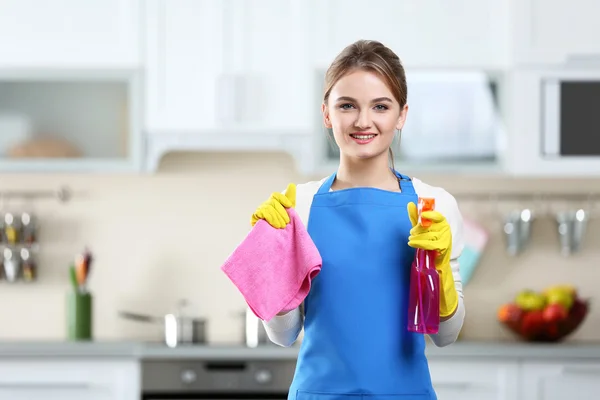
(549,316)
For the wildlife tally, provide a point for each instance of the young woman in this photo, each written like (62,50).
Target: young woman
(363,220)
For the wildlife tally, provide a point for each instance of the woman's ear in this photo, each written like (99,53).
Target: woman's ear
(326,120)
(402,117)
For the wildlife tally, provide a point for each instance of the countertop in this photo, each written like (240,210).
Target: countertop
(140,350)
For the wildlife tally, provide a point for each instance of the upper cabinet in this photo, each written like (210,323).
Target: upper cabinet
(70,86)
(459,33)
(67,122)
(555,32)
(226,75)
(69,34)
(112,85)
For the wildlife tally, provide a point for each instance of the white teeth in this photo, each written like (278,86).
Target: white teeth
(363,137)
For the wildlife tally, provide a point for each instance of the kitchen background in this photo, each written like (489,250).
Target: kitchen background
(160,238)
(169,134)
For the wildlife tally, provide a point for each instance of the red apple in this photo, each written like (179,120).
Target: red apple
(533,323)
(555,312)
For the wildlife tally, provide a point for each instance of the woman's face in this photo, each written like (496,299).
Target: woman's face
(363,114)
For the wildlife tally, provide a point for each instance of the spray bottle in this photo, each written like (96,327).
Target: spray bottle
(424,296)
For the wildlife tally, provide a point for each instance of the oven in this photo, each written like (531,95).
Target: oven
(217,379)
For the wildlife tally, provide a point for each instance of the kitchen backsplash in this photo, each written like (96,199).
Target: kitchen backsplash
(163,237)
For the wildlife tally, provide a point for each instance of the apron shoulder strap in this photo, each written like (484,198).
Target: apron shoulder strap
(406,184)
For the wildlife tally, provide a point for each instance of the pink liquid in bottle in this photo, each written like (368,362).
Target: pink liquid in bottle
(424,292)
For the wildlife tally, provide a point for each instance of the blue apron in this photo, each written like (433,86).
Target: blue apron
(356,345)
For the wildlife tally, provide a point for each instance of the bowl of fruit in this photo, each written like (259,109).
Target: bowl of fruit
(547,316)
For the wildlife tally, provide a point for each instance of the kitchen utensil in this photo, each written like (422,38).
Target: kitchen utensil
(580,222)
(564,226)
(73,277)
(525,222)
(79,315)
(253,331)
(177,329)
(571,227)
(82,269)
(517,230)
(512,228)
(28,267)
(11,265)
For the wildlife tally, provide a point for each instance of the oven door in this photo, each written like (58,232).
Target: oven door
(258,379)
(226,397)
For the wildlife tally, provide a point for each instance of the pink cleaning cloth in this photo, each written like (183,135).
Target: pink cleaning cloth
(273,268)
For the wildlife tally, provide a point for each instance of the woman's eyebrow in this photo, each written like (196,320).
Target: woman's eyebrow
(377,100)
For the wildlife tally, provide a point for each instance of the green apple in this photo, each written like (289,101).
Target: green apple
(529,300)
(561,297)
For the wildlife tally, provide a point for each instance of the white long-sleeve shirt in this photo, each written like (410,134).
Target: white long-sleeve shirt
(284,329)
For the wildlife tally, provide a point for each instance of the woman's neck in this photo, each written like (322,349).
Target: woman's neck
(374,172)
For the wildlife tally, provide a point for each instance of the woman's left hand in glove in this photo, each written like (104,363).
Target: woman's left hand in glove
(437,237)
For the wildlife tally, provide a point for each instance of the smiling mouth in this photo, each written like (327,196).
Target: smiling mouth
(362,136)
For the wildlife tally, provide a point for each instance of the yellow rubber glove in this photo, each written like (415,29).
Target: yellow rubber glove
(436,237)
(274,209)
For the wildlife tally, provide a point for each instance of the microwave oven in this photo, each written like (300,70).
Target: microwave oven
(570,116)
(555,122)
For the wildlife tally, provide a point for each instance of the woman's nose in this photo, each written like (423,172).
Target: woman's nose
(363,121)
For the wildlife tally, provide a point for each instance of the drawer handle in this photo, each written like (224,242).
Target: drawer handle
(453,385)
(581,370)
(583,58)
(45,385)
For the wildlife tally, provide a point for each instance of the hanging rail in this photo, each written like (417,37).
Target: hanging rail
(62,194)
(520,196)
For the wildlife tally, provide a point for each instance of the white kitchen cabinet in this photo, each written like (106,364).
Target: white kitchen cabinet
(65,379)
(553,32)
(573,380)
(455,33)
(69,34)
(474,379)
(65,121)
(183,58)
(226,76)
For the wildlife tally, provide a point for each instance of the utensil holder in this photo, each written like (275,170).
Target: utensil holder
(79,316)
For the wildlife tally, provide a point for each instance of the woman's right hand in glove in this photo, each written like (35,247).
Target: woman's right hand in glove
(274,209)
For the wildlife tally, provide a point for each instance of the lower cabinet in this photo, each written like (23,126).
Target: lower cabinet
(69,379)
(560,380)
(478,378)
(474,380)
(454,378)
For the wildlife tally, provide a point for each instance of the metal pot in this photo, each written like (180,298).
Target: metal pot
(254,333)
(177,329)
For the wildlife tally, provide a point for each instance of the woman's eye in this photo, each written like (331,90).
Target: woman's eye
(346,106)
(381,107)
